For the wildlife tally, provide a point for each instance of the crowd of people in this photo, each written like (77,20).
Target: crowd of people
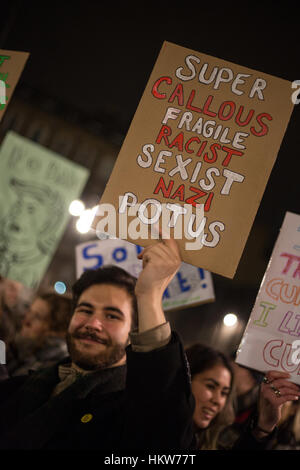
(104,370)
(33,329)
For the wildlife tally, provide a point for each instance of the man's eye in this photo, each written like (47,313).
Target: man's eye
(83,310)
(111,316)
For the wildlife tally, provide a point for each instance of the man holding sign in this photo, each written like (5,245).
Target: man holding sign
(92,400)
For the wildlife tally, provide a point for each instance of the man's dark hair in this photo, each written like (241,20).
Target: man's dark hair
(108,275)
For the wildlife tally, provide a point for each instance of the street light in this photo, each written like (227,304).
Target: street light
(76,208)
(230,319)
(60,287)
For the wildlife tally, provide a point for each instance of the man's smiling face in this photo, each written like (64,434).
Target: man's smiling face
(99,329)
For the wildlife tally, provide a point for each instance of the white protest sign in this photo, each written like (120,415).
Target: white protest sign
(190,286)
(270,339)
(2,352)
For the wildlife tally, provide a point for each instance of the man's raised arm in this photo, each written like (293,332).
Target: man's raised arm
(161,261)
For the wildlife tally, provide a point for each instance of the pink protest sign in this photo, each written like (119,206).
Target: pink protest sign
(271,340)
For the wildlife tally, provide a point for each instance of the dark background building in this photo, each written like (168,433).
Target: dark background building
(87,70)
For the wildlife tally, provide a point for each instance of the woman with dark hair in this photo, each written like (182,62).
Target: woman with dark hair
(212,380)
(212,387)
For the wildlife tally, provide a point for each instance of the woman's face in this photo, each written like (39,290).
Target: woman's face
(36,323)
(210,389)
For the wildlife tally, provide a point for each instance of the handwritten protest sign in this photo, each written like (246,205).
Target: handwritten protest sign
(191,286)
(36,189)
(11,66)
(270,339)
(205,132)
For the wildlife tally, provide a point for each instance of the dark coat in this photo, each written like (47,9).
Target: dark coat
(148,407)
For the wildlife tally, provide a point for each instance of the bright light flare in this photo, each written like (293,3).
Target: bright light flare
(60,287)
(84,222)
(230,319)
(76,208)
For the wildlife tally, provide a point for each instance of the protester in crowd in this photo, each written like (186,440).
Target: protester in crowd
(15,298)
(247,385)
(109,394)
(3,373)
(13,304)
(288,434)
(42,339)
(212,386)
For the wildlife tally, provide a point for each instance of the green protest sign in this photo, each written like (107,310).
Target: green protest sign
(12,64)
(36,188)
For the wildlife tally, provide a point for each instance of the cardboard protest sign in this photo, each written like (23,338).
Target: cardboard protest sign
(191,286)
(206,131)
(11,67)
(270,339)
(36,189)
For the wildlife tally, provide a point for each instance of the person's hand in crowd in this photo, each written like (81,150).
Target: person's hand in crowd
(274,392)
(161,261)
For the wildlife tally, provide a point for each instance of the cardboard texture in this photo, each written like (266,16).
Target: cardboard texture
(36,189)
(271,340)
(206,131)
(11,67)
(191,286)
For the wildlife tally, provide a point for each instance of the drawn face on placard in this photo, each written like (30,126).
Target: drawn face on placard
(28,229)
(26,213)
(37,186)
(34,214)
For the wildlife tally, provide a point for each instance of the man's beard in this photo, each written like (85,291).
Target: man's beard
(86,360)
